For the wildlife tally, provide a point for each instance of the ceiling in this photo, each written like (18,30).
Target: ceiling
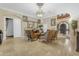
(50,9)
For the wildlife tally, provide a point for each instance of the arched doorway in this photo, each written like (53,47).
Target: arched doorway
(63,28)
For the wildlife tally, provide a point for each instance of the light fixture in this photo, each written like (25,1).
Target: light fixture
(40,4)
(40,12)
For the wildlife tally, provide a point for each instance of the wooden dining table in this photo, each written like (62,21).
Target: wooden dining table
(32,34)
(35,35)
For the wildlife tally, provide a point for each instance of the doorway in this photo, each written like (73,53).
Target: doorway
(63,28)
(9,27)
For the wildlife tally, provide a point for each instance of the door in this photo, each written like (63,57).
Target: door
(9,27)
(63,28)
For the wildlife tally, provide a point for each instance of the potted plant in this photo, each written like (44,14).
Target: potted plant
(40,26)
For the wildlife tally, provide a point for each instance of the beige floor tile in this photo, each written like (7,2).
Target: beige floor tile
(21,47)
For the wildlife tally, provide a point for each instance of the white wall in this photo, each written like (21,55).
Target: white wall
(45,27)
(17,27)
(47,21)
(6,14)
(24,25)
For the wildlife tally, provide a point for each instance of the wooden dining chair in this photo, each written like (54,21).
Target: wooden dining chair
(49,36)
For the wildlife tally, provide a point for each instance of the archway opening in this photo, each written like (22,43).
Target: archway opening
(63,28)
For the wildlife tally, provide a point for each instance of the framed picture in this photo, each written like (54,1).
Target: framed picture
(53,21)
(31,24)
(25,18)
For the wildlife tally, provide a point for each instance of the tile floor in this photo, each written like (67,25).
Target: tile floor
(21,47)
